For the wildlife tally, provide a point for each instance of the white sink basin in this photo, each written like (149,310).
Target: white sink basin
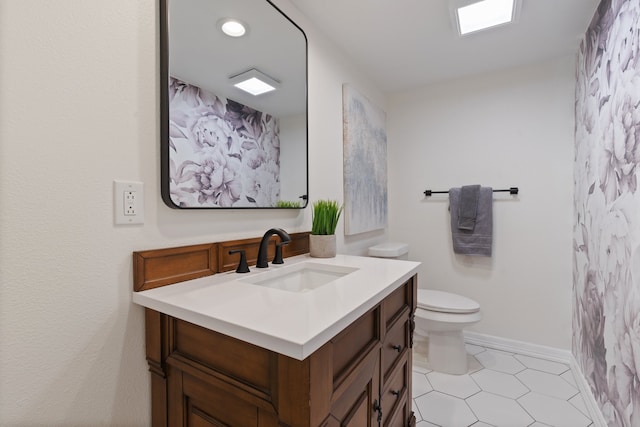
(302,277)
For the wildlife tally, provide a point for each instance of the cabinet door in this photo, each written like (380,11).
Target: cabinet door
(201,404)
(353,402)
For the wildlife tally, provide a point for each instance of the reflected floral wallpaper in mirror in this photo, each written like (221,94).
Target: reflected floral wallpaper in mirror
(606,288)
(222,153)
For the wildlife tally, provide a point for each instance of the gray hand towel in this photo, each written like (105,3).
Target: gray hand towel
(479,240)
(468,209)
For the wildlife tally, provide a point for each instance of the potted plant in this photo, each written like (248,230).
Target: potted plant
(324,220)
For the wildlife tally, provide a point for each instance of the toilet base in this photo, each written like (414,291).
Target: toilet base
(446,352)
(420,351)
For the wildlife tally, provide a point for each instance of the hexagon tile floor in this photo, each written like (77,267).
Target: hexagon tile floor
(501,389)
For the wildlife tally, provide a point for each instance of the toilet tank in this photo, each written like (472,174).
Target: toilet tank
(390,250)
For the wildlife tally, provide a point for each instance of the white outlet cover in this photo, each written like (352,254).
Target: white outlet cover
(119,188)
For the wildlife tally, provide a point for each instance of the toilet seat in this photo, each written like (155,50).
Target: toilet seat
(445,302)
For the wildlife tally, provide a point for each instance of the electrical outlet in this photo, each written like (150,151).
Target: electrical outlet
(128,204)
(130,201)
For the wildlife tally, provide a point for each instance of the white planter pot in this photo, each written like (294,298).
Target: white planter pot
(322,246)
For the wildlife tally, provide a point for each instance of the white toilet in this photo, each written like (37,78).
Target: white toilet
(440,320)
(390,250)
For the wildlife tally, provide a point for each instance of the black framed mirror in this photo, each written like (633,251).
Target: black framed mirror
(222,147)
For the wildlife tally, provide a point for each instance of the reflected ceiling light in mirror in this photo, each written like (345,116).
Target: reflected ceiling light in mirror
(254,82)
(232,27)
(484,14)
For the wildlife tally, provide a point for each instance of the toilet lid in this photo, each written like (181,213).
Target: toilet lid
(388,250)
(446,302)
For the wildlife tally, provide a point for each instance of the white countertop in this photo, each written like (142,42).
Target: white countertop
(291,323)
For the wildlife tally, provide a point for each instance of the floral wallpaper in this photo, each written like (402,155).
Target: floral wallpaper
(606,288)
(222,154)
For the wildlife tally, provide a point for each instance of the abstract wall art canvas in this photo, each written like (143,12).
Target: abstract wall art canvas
(365,163)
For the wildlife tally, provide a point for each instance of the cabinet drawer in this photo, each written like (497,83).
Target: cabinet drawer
(236,359)
(354,343)
(395,345)
(394,394)
(400,417)
(398,303)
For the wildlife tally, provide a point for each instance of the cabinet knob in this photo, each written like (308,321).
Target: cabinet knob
(396,393)
(397,348)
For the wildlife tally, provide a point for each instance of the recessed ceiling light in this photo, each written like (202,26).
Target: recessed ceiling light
(484,14)
(232,27)
(254,82)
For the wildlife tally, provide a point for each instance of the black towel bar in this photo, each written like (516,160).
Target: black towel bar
(512,190)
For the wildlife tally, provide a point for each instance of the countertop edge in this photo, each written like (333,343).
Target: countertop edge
(296,350)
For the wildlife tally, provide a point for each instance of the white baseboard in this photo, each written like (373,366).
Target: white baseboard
(585,390)
(520,347)
(546,353)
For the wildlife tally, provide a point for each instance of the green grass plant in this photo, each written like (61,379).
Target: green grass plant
(287,204)
(325,216)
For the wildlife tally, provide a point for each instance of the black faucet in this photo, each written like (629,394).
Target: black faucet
(242,265)
(264,244)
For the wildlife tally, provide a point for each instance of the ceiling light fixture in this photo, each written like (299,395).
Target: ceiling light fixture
(254,82)
(232,27)
(484,14)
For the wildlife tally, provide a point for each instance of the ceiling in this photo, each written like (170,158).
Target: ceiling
(200,54)
(403,44)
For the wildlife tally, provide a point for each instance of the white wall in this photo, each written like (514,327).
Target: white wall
(293,130)
(510,128)
(78,109)
(328,70)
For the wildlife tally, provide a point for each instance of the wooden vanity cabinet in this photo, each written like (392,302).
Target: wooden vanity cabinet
(361,377)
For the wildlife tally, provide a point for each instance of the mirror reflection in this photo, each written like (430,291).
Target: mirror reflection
(223,146)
